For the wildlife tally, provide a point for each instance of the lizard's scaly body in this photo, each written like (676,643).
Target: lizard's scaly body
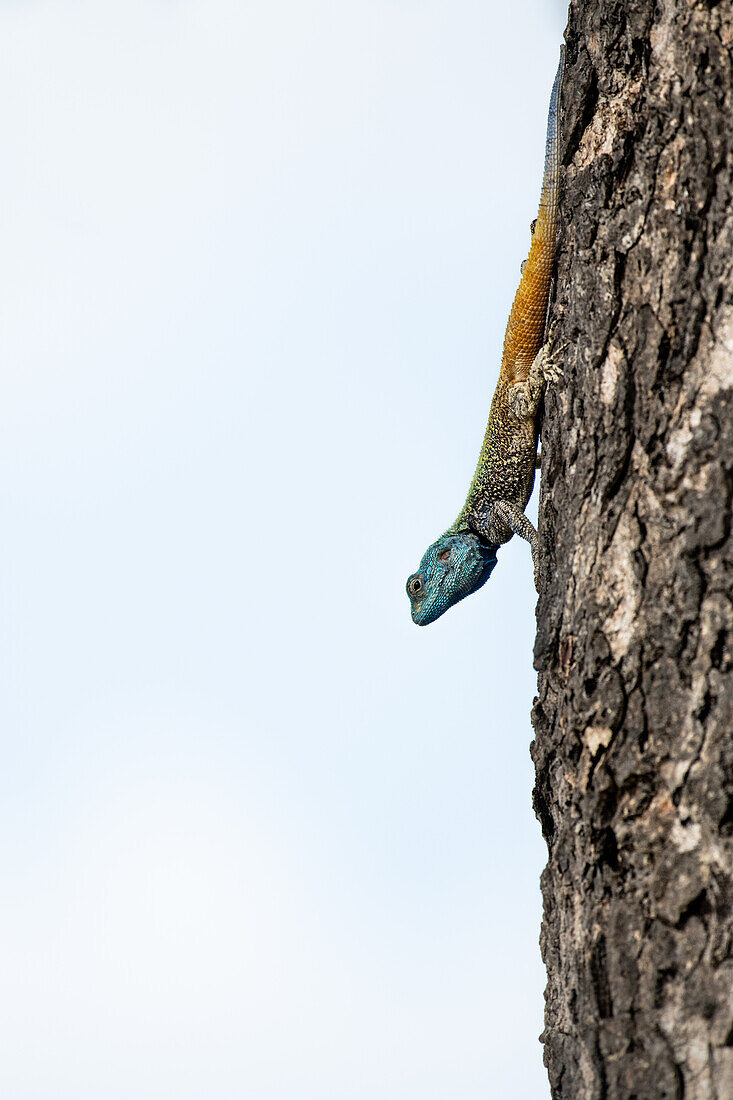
(506,464)
(462,559)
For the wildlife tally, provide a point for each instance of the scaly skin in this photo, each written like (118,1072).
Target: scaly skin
(462,559)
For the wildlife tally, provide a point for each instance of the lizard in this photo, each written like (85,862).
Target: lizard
(462,559)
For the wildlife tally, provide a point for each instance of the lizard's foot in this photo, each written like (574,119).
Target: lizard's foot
(524,397)
(546,362)
(514,518)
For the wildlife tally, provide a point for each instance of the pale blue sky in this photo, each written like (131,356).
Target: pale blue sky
(260,836)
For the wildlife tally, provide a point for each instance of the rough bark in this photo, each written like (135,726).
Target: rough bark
(634,720)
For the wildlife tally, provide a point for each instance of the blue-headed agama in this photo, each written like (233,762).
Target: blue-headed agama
(462,559)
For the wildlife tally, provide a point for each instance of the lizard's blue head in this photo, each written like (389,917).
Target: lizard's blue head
(452,568)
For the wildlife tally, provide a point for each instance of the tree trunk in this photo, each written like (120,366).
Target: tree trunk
(634,720)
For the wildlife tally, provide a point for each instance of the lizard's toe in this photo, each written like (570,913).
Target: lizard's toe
(552,372)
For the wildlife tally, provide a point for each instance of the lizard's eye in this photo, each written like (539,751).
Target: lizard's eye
(414,586)
(444,555)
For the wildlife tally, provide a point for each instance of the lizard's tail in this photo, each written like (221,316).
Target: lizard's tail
(525,329)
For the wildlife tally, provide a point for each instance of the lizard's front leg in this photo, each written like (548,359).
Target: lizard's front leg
(506,514)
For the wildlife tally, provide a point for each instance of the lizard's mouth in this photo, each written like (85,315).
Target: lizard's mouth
(422,614)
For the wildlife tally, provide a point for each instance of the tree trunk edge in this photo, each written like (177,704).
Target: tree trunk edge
(633,722)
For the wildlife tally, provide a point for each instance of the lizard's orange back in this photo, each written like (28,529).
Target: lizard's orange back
(525,328)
